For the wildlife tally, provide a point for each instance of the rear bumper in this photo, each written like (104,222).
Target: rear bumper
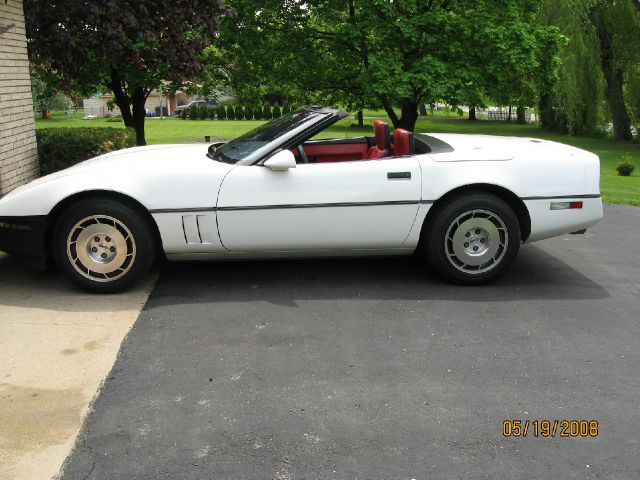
(546,223)
(24,238)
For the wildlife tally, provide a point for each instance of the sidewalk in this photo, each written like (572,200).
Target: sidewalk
(57,344)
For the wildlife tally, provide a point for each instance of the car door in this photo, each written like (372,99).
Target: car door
(367,204)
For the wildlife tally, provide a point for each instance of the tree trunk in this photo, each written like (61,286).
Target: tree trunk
(472,114)
(614,78)
(509,117)
(138,99)
(615,99)
(391,112)
(360,118)
(409,116)
(132,117)
(521,116)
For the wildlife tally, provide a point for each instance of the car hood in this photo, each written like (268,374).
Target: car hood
(494,147)
(160,157)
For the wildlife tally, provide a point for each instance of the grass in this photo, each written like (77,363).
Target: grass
(615,189)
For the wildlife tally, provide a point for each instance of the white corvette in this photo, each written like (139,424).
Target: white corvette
(466,201)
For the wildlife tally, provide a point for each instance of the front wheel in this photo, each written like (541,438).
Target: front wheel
(472,239)
(103,246)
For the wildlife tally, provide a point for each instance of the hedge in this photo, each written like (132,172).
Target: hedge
(60,148)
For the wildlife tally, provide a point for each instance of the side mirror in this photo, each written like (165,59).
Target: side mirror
(281,161)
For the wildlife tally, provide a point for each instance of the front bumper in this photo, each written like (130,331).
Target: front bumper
(24,238)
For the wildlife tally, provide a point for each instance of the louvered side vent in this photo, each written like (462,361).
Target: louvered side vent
(198,229)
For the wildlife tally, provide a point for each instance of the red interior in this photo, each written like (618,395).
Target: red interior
(379,150)
(339,150)
(402,142)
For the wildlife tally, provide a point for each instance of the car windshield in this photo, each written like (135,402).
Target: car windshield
(252,143)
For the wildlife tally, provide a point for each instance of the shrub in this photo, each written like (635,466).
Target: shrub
(184,113)
(276,111)
(222,112)
(212,112)
(193,113)
(239,112)
(231,113)
(248,113)
(266,112)
(286,109)
(203,111)
(625,167)
(60,148)
(257,112)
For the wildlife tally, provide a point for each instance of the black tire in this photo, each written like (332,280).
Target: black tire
(103,245)
(472,238)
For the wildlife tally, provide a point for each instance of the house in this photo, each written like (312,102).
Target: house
(18,150)
(103,104)
(98,105)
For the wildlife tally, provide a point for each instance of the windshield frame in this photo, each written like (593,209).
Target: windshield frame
(320,118)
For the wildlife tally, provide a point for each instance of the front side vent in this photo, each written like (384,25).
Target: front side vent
(198,229)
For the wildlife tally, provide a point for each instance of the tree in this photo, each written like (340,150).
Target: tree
(374,53)
(617,28)
(597,65)
(130,47)
(46,95)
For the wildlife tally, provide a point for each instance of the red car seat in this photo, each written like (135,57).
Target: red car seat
(403,142)
(380,149)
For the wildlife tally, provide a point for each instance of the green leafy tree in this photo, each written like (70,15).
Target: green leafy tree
(597,62)
(617,28)
(276,111)
(360,53)
(130,47)
(46,94)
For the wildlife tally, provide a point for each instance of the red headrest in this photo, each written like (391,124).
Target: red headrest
(403,143)
(382,134)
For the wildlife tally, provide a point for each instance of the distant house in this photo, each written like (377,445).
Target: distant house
(98,105)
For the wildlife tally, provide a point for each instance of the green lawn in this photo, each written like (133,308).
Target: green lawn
(615,189)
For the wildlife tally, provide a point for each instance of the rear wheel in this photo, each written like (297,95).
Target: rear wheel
(472,238)
(103,246)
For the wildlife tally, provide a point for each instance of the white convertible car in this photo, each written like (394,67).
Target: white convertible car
(466,201)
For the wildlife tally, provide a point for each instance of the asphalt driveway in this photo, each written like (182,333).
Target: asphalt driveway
(376,369)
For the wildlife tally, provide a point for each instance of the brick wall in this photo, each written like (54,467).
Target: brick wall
(18,154)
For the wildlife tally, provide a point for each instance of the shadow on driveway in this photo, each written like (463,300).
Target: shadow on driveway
(536,274)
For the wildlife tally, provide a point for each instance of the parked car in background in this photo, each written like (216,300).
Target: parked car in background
(195,103)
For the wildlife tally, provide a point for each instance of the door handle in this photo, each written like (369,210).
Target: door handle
(399,175)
